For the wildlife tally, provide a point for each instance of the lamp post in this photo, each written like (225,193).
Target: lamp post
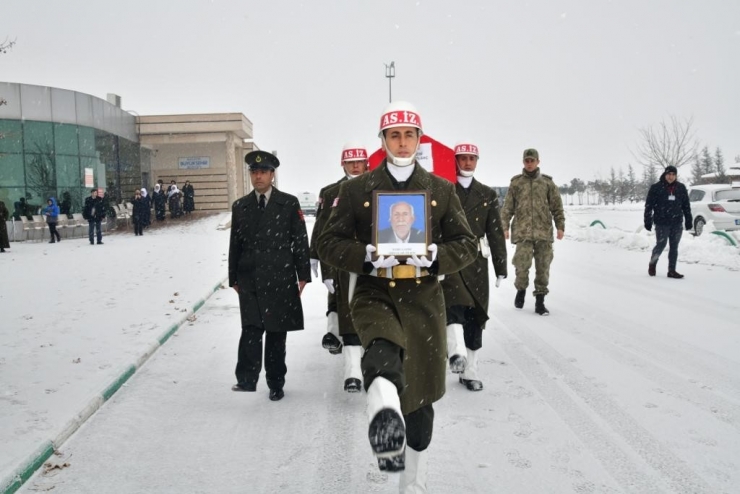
(390,73)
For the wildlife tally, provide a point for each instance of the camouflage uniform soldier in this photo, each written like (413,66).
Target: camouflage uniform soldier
(533,200)
(466,292)
(339,321)
(398,309)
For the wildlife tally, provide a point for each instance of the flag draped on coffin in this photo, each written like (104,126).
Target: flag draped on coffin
(433,156)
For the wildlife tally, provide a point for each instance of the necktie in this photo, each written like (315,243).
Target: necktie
(262,201)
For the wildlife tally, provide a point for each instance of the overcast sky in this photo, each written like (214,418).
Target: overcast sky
(575,79)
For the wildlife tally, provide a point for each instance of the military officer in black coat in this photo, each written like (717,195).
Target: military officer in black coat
(268,267)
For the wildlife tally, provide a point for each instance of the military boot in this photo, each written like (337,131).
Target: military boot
(387,430)
(414,477)
(331,340)
(674,274)
(519,299)
(352,372)
(470,378)
(651,269)
(456,348)
(539,306)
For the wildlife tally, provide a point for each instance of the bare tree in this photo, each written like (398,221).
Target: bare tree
(670,143)
(6,45)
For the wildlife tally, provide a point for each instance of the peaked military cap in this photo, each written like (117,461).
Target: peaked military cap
(261,160)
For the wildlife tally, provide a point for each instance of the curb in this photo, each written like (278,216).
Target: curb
(34,461)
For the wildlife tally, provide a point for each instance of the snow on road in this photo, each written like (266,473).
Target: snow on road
(631,385)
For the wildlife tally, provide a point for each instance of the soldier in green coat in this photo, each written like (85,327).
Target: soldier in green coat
(339,321)
(466,292)
(533,201)
(398,308)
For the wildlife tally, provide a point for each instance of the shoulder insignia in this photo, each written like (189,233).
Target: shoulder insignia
(300,215)
(335,203)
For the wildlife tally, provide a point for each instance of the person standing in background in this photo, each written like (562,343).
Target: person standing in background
(94,212)
(51,212)
(139,213)
(4,216)
(188,194)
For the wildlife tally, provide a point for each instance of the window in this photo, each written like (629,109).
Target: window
(65,139)
(728,195)
(696,195)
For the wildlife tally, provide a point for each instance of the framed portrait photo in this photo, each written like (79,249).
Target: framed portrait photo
(402,223)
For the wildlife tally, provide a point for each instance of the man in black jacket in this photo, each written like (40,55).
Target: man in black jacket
(94,212)
(667,206)
(268,267)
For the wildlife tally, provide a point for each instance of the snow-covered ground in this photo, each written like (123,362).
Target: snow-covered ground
(631,385)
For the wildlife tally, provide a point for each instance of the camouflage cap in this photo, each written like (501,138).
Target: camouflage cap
(531,153)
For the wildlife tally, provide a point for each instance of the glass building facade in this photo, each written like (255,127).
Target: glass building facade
(50,139)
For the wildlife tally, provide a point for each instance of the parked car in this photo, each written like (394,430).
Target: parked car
(309,203)
(719,203)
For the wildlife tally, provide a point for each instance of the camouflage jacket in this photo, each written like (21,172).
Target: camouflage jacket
(533,203)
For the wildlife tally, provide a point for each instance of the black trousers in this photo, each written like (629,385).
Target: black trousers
(138,226)
(249,360)
(385,359)
(670,234)
(473,333)
(53,232)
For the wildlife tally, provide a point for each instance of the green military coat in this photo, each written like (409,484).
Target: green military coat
(470,286)
(341,278)
(407,312)
(534,202)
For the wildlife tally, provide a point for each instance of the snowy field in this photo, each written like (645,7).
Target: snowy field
(631,385)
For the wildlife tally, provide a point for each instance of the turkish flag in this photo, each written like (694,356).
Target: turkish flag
(433,156)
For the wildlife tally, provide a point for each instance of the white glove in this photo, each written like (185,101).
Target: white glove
(329,285)
(315,267)
(423,261)
(498,280)
(380,262)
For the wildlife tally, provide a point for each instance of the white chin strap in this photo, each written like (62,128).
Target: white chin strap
(401,161)
(350,177)
(464,173)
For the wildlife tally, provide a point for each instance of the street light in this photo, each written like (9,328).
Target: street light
(390,73)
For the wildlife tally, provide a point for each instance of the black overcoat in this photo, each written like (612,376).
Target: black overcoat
(268,255)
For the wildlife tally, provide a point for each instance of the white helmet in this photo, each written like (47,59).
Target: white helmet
(353,151)
(466,147)
(400,114)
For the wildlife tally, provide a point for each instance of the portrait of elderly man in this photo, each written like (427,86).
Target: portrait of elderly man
(401,231)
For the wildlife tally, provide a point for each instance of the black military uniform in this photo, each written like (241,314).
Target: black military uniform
(268,256)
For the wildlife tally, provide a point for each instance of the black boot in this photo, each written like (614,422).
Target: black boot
(651,269)
(519,299)
(276,394)
(352,385)
(331,343)
(674,274)
(539,306)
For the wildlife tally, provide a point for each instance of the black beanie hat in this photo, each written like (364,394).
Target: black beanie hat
(671,169)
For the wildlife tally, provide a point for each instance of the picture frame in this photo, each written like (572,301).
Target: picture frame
(401,223)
